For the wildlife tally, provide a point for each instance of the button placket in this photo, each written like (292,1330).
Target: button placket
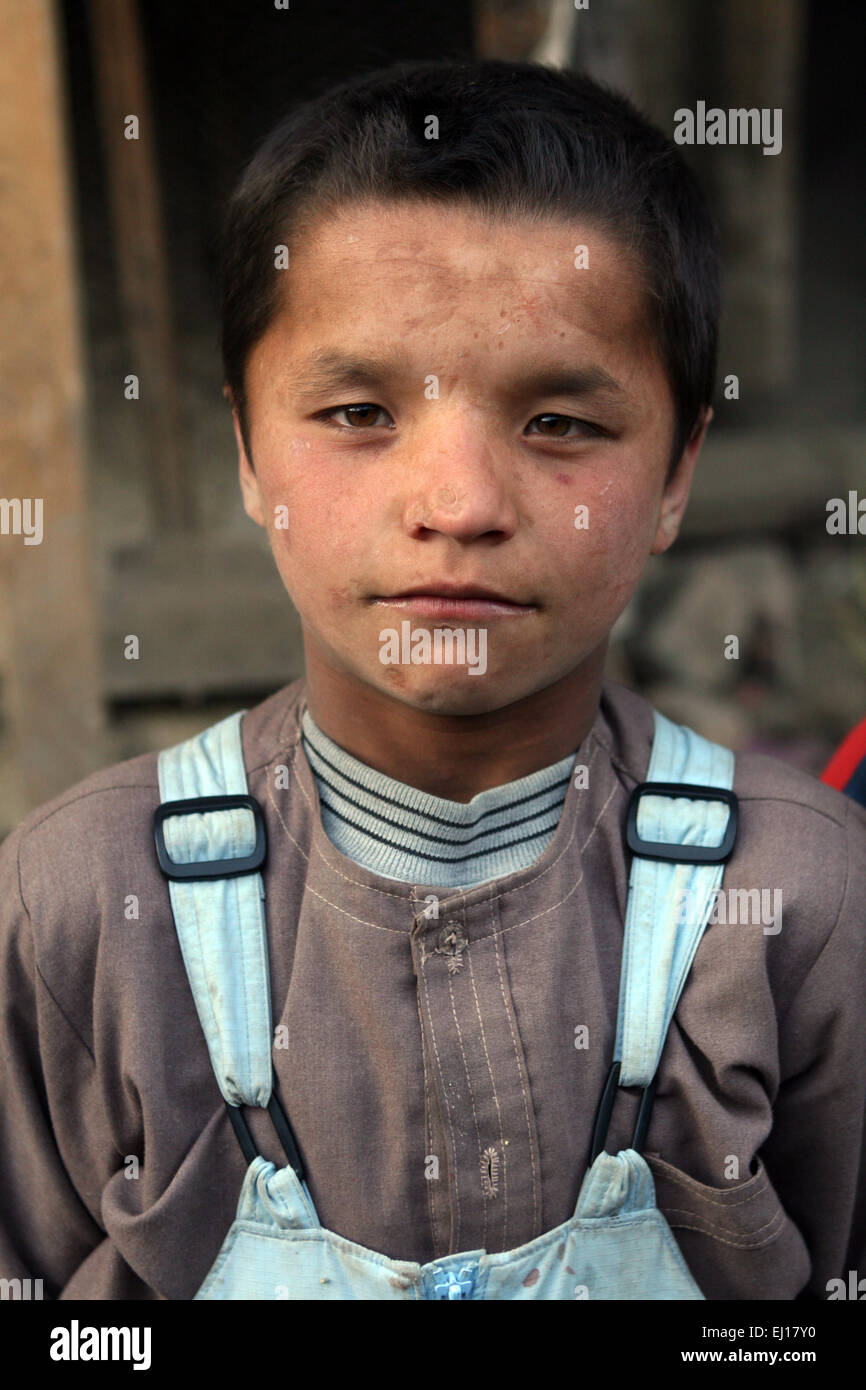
(428,926)
(479,1073)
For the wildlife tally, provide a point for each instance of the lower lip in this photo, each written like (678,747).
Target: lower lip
(434,606)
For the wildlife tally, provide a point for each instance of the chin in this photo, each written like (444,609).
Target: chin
(459,694)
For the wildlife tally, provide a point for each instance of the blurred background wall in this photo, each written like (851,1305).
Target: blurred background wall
(108,272)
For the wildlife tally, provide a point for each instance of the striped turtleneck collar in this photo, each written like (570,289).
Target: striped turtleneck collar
(403,833)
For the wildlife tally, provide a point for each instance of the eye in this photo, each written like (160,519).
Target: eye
(360,416)
(557,427)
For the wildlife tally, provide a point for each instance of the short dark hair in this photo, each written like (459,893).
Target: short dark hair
(514,138)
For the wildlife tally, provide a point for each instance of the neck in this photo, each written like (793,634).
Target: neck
(454,756)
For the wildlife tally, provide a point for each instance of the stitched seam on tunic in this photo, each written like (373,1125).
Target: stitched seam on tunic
(58,1006)
(362,921)
(471,1097)
(389,893)
(428,1131)
(336,870)
(446,1104)
(519,888)
(56,1002)
(504,1165)
(696,1216)
(365,922)
(536,1194)
(725,1199)
(743,1244)
(384,892)
(739,1202)
(428,1118)
(573,889)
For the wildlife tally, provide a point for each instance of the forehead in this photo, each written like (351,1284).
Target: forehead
(445,253)
(433,276)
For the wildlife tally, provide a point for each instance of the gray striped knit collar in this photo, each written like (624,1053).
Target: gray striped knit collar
(404,833)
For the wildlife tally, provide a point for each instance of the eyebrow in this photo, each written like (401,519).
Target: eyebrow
(329,370)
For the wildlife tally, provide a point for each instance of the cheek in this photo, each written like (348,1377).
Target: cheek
(315,525)
(609,543)
(306,513)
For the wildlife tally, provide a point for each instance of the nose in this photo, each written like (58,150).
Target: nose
(459,484)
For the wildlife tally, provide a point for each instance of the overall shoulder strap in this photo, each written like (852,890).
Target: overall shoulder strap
(673,816)
(681,828)
(210,843)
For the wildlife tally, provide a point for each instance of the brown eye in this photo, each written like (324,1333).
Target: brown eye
(361,414)
(552,425)
(558,425)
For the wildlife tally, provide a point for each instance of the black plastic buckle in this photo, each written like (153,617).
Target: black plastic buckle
(281,1124)
(605,1107)
(209,868)
(682,854)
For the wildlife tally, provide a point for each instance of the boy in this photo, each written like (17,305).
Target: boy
(469,337)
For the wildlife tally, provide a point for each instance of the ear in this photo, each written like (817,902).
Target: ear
(678,487)
(250,491)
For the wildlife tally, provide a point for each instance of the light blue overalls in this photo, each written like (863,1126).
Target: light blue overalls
(617,1245)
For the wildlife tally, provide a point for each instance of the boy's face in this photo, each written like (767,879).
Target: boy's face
(443,474)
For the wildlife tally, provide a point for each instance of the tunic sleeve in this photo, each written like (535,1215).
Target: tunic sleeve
(49,1103)
(816,1153)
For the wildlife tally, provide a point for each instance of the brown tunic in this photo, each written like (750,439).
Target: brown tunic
(407,1057)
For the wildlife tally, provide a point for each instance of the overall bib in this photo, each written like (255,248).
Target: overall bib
(210,838)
